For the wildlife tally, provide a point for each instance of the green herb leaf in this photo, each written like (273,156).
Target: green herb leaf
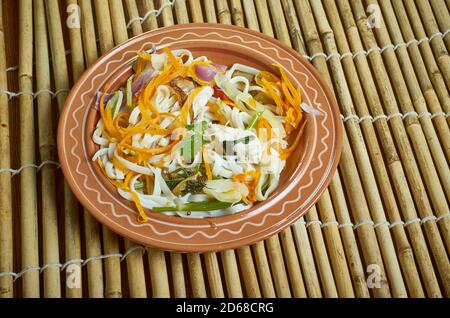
(195,206)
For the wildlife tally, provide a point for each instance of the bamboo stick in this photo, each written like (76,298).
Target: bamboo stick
(231,274)
(133,13)
(248,272)
(294,27)
(196,11)
(179,285)
(335,248)
(436,102)
(393,160)
(196,275)
(52,282)
(442,16)
(437,192)
(262,266)
(237,13)
(431,27)
(91,226)
(167,16)
(88,32)
(28,204)
(104,28)
(150,23)
(210,11)
(405,255)
(406,152)
(292,264)
(279,24)
(213,272)
(105,22)
(6,225)
(319,249)
(181,12)
(264,17)
(135,270)
(119,26)
(415,29)
(277,267)
(93,248)
(223,12)
(158,273)
(306,259)
(250,15)
(71,215)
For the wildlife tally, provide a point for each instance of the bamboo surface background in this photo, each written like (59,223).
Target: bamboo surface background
(382,229)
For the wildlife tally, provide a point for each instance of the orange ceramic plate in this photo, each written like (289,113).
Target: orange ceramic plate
(308,171)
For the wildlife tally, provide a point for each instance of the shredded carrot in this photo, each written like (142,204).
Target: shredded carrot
(173,60)
(295,93)
(188,104)
(290,121)
(207,164)
(271,90)
(128,178)
(142,215)
(116,122)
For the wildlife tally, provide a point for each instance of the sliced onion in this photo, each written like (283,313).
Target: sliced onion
(143,79)
(308,109)
(221,67)
(108,96)
(205,73)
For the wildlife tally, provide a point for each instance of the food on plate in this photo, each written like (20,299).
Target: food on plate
(189,137)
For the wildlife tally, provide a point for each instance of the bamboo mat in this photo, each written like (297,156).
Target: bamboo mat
(381,230)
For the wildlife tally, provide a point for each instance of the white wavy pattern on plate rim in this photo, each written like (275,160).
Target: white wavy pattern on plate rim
(199,232)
